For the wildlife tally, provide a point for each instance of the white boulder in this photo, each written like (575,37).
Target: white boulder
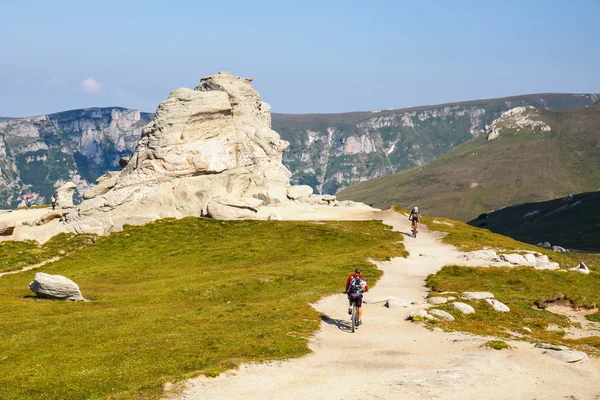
(581,268)
(437,300)
(477,295)
(55,287)
(441,314)
(463,308)
(498,306)
(515,259)
(299,192)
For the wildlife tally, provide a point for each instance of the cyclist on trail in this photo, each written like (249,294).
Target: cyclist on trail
(415,216)
(355,286)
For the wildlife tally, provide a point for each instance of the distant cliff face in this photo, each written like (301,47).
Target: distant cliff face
(40,153)
(332,151)
(327,151)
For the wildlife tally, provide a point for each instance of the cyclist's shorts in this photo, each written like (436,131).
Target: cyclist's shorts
(356,298)
(415,219)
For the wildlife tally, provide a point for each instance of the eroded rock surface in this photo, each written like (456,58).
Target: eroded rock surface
(208,151)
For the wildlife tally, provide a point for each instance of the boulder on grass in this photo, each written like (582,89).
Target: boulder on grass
(55,287)
(581,268)
(441,314)
(299,192)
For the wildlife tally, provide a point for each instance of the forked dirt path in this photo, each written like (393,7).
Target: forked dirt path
(391,358)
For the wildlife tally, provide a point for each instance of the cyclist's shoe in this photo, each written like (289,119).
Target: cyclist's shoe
(349,311)
(359,323)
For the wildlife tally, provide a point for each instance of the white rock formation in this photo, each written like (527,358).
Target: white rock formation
(55,287)
(518,118)
(208,151)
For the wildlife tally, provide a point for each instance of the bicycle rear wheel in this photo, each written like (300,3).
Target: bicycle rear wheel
(354,317)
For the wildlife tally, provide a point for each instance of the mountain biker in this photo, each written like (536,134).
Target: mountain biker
(415,216)
(355,286)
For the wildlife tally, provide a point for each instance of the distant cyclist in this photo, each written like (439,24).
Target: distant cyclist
(355,286)
(415,216)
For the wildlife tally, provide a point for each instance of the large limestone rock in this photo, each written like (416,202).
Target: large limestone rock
(208,151)
(55,287)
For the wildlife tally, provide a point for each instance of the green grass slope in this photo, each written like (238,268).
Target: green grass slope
(573,222)
(176,298)
(521,165)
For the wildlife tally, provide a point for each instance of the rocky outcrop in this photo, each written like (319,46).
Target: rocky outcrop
(55,287)
(516,119)
(208,151)
(7,228)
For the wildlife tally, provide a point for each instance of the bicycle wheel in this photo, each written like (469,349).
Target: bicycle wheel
(354,321)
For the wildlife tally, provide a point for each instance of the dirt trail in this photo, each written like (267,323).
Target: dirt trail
(391,358)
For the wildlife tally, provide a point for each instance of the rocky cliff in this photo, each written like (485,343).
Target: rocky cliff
(327,151)
(39,154)
(527,155)
(332,151)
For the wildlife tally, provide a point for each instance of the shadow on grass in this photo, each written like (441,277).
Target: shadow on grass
(341,324)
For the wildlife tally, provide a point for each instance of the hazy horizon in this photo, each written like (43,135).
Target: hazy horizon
(304,58)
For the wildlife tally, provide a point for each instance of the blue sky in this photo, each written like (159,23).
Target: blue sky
(304,56)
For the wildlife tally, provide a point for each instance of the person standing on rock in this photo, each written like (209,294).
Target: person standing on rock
(355,286)
(27,202)
(53,201)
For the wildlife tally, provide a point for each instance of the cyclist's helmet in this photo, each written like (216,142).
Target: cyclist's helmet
(357,270)
(416,209)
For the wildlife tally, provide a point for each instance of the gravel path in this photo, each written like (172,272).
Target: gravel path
(391,358)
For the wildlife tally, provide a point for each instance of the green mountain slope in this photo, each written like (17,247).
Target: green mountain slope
(572,222)
(332,151)
(537,155)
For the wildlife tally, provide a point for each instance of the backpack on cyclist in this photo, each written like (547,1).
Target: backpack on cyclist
(356,285)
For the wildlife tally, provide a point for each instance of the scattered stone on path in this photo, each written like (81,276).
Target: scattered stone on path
(417,314)
(515,259)
(429,317)
(451,298)
(394,302)
(441,314)
(463,307)
(562,353)
(55,287)
(569,356)
(478,295)
(437,300)
(498,306)
(581,268)
(7,228)
(525,328)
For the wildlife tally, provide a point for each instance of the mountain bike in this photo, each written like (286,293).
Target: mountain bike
(415,230)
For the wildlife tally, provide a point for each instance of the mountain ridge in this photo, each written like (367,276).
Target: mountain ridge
(327,151)
(551,154)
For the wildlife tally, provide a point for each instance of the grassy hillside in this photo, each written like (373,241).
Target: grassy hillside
(521,165)
(333,151)
(176,298)
(572,222)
